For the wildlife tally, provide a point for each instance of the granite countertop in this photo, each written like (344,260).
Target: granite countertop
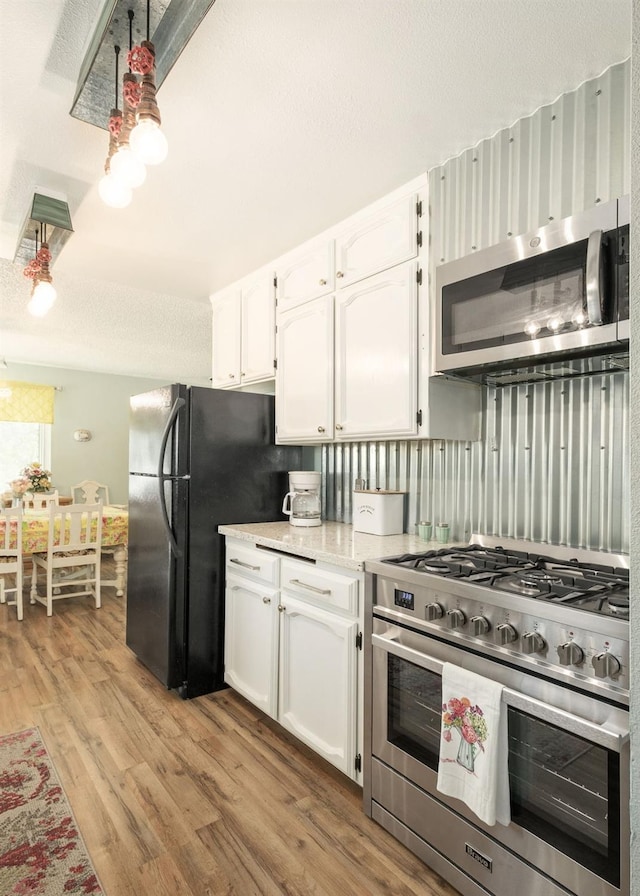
(334,543)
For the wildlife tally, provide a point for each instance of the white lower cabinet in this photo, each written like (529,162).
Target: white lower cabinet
(251,640)
(317,689)
(294,649)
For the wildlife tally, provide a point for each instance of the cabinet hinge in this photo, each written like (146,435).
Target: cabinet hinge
(275,363)
(358,762)
(419,208)
(419,276)
(359,641)
(275,282)
(419,417)
(419,239)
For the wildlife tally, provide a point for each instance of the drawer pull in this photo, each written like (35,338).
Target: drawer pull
(310,587)
(246,565)
(266,600)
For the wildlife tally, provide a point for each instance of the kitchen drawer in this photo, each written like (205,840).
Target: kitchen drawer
(320,586)
(250,562)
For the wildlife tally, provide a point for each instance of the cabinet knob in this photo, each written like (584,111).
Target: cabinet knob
(322,281)
(242,373)
(339,274)
(281,609)
(266,600)
(232,376)
(338,425)
(321,429)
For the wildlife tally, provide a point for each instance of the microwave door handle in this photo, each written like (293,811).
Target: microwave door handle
(594,262)
(610,738)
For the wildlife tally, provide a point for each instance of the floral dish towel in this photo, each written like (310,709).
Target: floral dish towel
(474,749)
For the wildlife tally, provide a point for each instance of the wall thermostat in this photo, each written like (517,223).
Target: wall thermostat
(82,435)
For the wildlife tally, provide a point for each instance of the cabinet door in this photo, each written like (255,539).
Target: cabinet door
(251,641)
(318,662)
(304,378)
(305,275)
(381,240)
(376,356)
(226,309)
(258,330)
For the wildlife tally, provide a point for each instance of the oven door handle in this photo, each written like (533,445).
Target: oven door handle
(610,738)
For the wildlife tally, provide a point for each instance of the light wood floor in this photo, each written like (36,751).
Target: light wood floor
(174,798)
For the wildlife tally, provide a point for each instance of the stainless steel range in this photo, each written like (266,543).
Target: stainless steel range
(551,625)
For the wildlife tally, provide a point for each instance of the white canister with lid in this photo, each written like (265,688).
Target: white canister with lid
(378,511)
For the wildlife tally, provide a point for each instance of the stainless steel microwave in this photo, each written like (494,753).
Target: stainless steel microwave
(556,294)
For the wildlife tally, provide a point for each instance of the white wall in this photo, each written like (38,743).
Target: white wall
(94,401)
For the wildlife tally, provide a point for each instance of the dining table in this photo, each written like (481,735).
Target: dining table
(115,526)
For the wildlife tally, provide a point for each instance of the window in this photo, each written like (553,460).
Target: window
(21,444)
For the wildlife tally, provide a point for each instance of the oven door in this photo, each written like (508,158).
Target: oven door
(532,296)
(568,774)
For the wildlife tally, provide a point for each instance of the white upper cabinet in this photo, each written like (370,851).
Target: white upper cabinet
(383,238)
(376,349)
(226,308)
(258,329)
(244,332)
(304,378)
(305,275)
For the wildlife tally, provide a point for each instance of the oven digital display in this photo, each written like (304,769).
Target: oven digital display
(403,599)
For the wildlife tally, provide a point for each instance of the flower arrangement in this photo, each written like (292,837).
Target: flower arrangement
(39,479)
(19,486)
(469,720)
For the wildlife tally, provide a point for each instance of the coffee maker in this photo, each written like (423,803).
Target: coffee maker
(302,502)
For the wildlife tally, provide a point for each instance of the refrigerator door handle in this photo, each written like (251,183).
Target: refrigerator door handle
(178,403)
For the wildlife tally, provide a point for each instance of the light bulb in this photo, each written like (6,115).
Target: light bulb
(148,142)
(128,168)
(113,192)
(43,297)
(579,319)
(532,328)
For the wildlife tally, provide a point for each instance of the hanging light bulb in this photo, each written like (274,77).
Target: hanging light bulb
(147,141)
(43,294)
(114,192)
(125,165)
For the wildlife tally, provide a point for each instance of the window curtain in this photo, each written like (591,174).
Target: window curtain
(26,402)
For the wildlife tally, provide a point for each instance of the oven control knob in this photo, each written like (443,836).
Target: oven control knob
(434,611)
(481,625)
(606,665)
(506,633)
(570,654)
(532,642)
(456,618)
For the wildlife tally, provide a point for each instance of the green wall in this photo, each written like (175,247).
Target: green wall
(94,401)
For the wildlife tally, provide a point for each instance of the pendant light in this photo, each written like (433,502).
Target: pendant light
(126,166)
(112,190)
(43,294)
(147,141)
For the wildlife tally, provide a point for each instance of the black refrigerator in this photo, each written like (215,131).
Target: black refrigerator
(198,458)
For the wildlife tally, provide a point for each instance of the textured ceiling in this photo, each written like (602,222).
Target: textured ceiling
(282,116)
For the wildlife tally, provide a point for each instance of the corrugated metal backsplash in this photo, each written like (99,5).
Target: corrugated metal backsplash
(552,465)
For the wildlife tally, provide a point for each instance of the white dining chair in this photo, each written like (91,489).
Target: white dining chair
(90,492)
(75,533)
(40,500)
(11,557)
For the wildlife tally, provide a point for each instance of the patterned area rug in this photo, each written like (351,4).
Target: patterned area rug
(41,850)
